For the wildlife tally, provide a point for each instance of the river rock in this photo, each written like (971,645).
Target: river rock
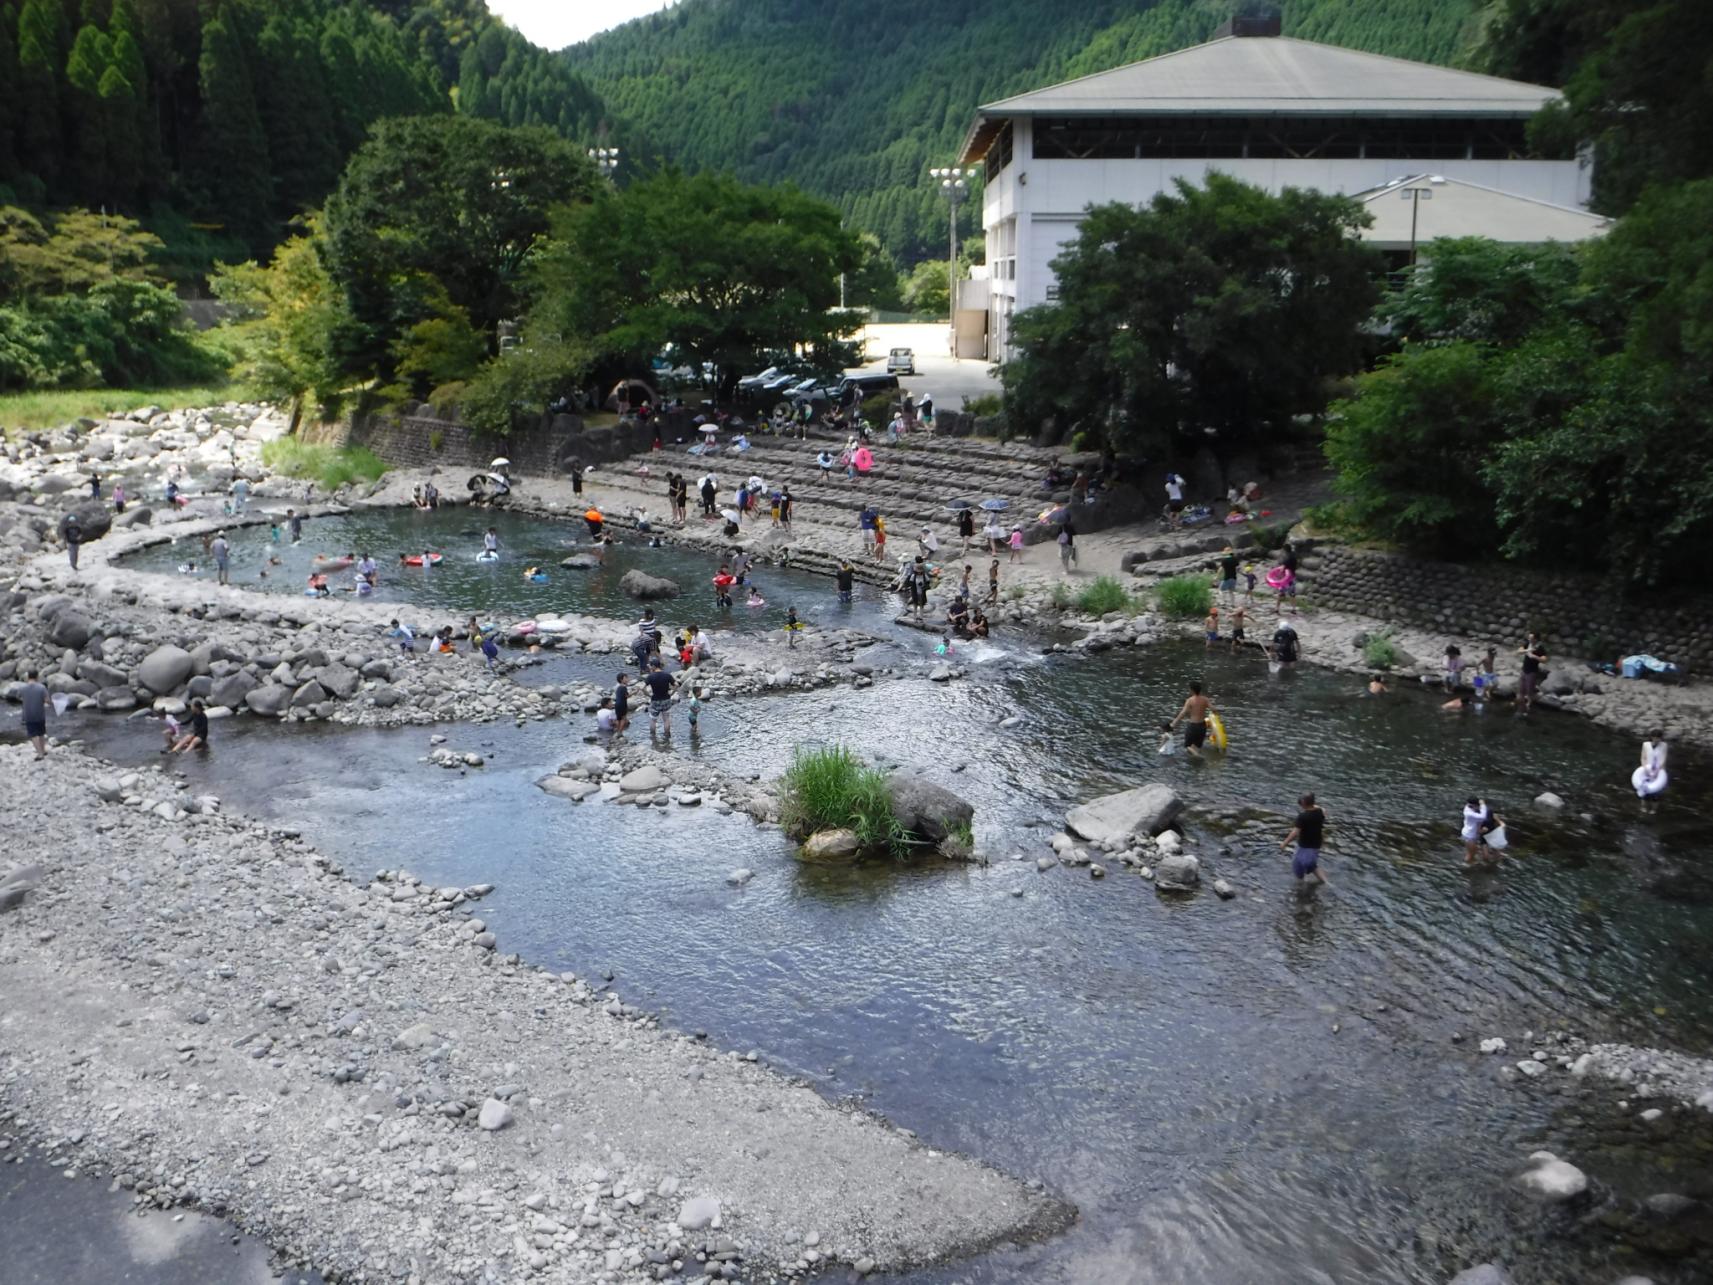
(70,629)
(101,675)
(116,699)
(232,689)
(1113,818)
(580,562)
(495,1115)
(925,809)
(1554,1178)
(643,780)
(739,877)
(339,680)
(1179,872)
(270,700)
(1550,801)
(566,787)
(308,696)
(164,669)
(830,846)
(639,584)
(1483,1274)
(698,1213)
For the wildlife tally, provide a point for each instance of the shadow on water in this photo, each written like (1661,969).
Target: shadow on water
(60,1231)
(1258,1090)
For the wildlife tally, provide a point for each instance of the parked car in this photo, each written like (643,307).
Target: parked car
(863,386)
(751,382)
(901,361)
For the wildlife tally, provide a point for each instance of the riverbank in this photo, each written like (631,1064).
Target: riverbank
(365,1079)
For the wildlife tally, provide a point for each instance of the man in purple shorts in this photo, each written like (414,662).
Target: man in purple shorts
(1307,834)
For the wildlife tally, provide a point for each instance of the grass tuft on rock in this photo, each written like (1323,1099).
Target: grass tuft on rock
(331,466)
(1185,597)
(831,788)
(1104,594)
(1380,652)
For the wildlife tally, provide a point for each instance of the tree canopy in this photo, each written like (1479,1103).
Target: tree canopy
(1219,310)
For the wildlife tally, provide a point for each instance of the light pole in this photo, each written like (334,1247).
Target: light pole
(606,160)
(1415,195)
(954,186)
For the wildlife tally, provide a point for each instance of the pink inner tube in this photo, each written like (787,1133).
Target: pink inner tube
(1278,578)
(527,627)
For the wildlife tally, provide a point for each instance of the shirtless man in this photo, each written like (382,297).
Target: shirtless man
(1195,711)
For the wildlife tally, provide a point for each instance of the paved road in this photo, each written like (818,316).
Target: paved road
(947,380)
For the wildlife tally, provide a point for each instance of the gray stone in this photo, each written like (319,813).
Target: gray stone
(1553,1178)
(830,846)
(1114,818)
(644,779)
(1550,801)
(494,1116)
(419,1036)
(566,787)
(270,700)
(1224,890)
(639,584)
(739,877)
(386,697)
(70,629)
(1484,1274)
(308,696)
(925,809)
(231,690)
(101,675)
(580,562)
(698,1213)
(1178,872)
(115,699)
(940,674)
(338,680)
(1669,1205)
(378,670)
(165,669)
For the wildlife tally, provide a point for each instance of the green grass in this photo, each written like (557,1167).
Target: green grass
(1185,597)
(984,404)
(1380,652)
(1104,594)
(331,466)
(49,408)
(1269,535)
(830,788)
(1062,599)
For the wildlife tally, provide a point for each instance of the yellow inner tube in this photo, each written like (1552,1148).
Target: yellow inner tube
(1216,730)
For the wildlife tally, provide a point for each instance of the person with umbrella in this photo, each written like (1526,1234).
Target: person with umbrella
(991,530)
(966,527)
(707,488)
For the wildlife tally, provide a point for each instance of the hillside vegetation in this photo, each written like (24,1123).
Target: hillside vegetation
(855,99)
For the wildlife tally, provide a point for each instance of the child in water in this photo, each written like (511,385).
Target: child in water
(694,707)
(1168,742)
(755,599)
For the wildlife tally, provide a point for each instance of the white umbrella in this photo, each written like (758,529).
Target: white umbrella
(730,515)
(502,462)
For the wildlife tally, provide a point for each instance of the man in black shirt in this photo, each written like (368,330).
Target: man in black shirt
(845,578)
(197,737)
(660,685)
(1285,644)
(1228,575)
(1308,834)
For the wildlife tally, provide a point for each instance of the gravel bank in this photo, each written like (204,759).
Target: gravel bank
(206,1009)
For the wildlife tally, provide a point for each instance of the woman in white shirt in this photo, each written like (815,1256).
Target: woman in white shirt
(1650,778)
(1477,816)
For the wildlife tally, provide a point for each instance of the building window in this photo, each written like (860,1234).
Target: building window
(1279,137)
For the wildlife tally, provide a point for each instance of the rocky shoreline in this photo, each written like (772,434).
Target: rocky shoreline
(363,1078)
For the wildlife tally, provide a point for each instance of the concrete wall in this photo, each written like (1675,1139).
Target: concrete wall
(1578,617)
(419,440)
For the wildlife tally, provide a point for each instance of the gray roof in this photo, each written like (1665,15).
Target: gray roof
(1254,75)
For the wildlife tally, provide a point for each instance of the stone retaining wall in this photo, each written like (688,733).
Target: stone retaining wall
(1577,616)
(419,440)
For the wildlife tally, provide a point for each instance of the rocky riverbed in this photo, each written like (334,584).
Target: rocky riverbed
(206,1009)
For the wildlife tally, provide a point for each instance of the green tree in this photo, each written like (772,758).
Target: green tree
(1219,310)
(70,254)
(39,60)
(443,204)
(1476,289)
(926,289)
(874,283)
(233,168)
(722,271)
(296,110)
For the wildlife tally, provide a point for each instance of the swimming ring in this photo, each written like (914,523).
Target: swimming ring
(553,626)
(1278,578)
(488,555)
(538,578)
(331,564)
(1644,788)
(1215,730)
(415,559)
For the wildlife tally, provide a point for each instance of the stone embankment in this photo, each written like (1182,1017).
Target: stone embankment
(205,1009)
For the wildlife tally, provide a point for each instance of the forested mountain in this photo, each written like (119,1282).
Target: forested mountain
(239,114)
(855,99)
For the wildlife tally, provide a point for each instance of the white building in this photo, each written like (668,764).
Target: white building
(1263,108)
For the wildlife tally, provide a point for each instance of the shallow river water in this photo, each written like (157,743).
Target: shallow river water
(1260,1090)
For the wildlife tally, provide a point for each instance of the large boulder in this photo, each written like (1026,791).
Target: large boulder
(93,516)
(270,700)
(231,690)
(309,695)
(339,680)
(644,780)
(70,629)
(830,846)
(165,668)
(926,810)
(116,699)
(101,675)
(639,584)
(1179,872)
(1114,818)
(580,562)
(568,787)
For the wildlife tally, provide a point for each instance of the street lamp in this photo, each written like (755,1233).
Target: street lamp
(606,159)
(954,186)
(1415,196)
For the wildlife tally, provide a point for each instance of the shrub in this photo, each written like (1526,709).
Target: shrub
(984,405)
(331,466)
(1103,595)
(830,788)
(1380,652)
(1268,535)
(1062,597)
(877,410)
(436,439)
(1184,596)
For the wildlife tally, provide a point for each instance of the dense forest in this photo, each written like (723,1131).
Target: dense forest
(855,99)
(218,121)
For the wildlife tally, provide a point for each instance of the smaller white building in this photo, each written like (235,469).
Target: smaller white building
(1269,110)
(1411,211)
